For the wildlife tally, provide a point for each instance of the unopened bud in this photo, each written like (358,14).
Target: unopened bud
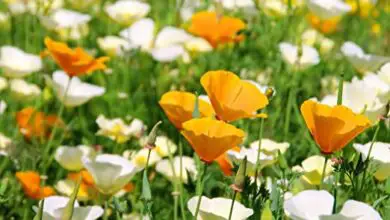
(239,181)
(152,136)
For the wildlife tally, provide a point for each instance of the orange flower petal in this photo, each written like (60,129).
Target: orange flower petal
(225,164)
(231,97)
(30,181)
(211,138)
(178,106)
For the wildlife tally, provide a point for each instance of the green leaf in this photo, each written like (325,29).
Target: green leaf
(39,215)
(68,211)
(146,192)
(267,213)
(387,186)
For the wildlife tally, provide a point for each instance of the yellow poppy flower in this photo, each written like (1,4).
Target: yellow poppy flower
(332,127)
(74,62)
(216,29)
(178,106)
(211,138)
(231,97)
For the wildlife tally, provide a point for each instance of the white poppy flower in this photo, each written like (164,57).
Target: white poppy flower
(218,209)
(3,106)
(117,130)
(35,7)
(77,92)
(54,206)
(164,146)
(70,157)
(251,155)
(140,157)
(270,147)
(172,170)
(67,23)
(5,144)
(380,154)
(274,8)
(166,46)
(318,205)
(301,58)
(198,44)
(312,169)
(310,37)
(110,172)
(11,59)
(326,45)
(3,83)
(309,205)
(327,9)
(113,45)
(381,87)
(384,73)
(23,90)
(361,61)
(234,4)
(126,12)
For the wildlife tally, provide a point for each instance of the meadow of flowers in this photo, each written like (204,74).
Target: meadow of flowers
(195,109)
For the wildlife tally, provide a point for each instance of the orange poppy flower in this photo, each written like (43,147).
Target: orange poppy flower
(324,26)
(178,106)
(74,62)
(33,123)
(211,138)
(225,164)
(216,29)
(31,184)
(87,188)
(231,97)
(332,127)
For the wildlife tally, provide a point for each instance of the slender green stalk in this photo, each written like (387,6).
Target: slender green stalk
(232,206)
(323,171)
(147,160)
(183,214)
(105,216)
(261,131)
(340,90)
(200,190)
(368,156)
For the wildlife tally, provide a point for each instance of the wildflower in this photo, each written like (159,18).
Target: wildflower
(110,172)
(5,144)
(361,61)
(376,29)
(324,26)
(67,24)
(74,62)
(117,130)
(31,184)
(384,73)
(364,8)
(70,157)
(3,83)
(140,158)
(216,29)
(3,106)
(87,189)
(300,57)
(113,45)
(231,97)
(165,46)
(332,127)
(23,90)
(380,155)
(218,208)
(171,169)
(270,147)
(54,207)
(33,123)
(178,106)
(72,91)
(211,138)
(12,57)
(163,145)
(232,4)
(251,156)
(274,8)
(312,169)
(127,12)
(313,204)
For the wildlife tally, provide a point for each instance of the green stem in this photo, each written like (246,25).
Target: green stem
(340,90)
(368,156)
(200,190)
(183,214)
(323,171)
(261,131)
(232,206)
(105,216)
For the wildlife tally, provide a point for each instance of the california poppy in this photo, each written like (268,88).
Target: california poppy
(231,97)
(74,62)
(211,138)
(325,26)
(216,29)
(31,184)
(33,123)
(178,106)
(87,188)
(225,164)
(332,127)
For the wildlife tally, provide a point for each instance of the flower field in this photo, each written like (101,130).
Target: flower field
(195,109)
